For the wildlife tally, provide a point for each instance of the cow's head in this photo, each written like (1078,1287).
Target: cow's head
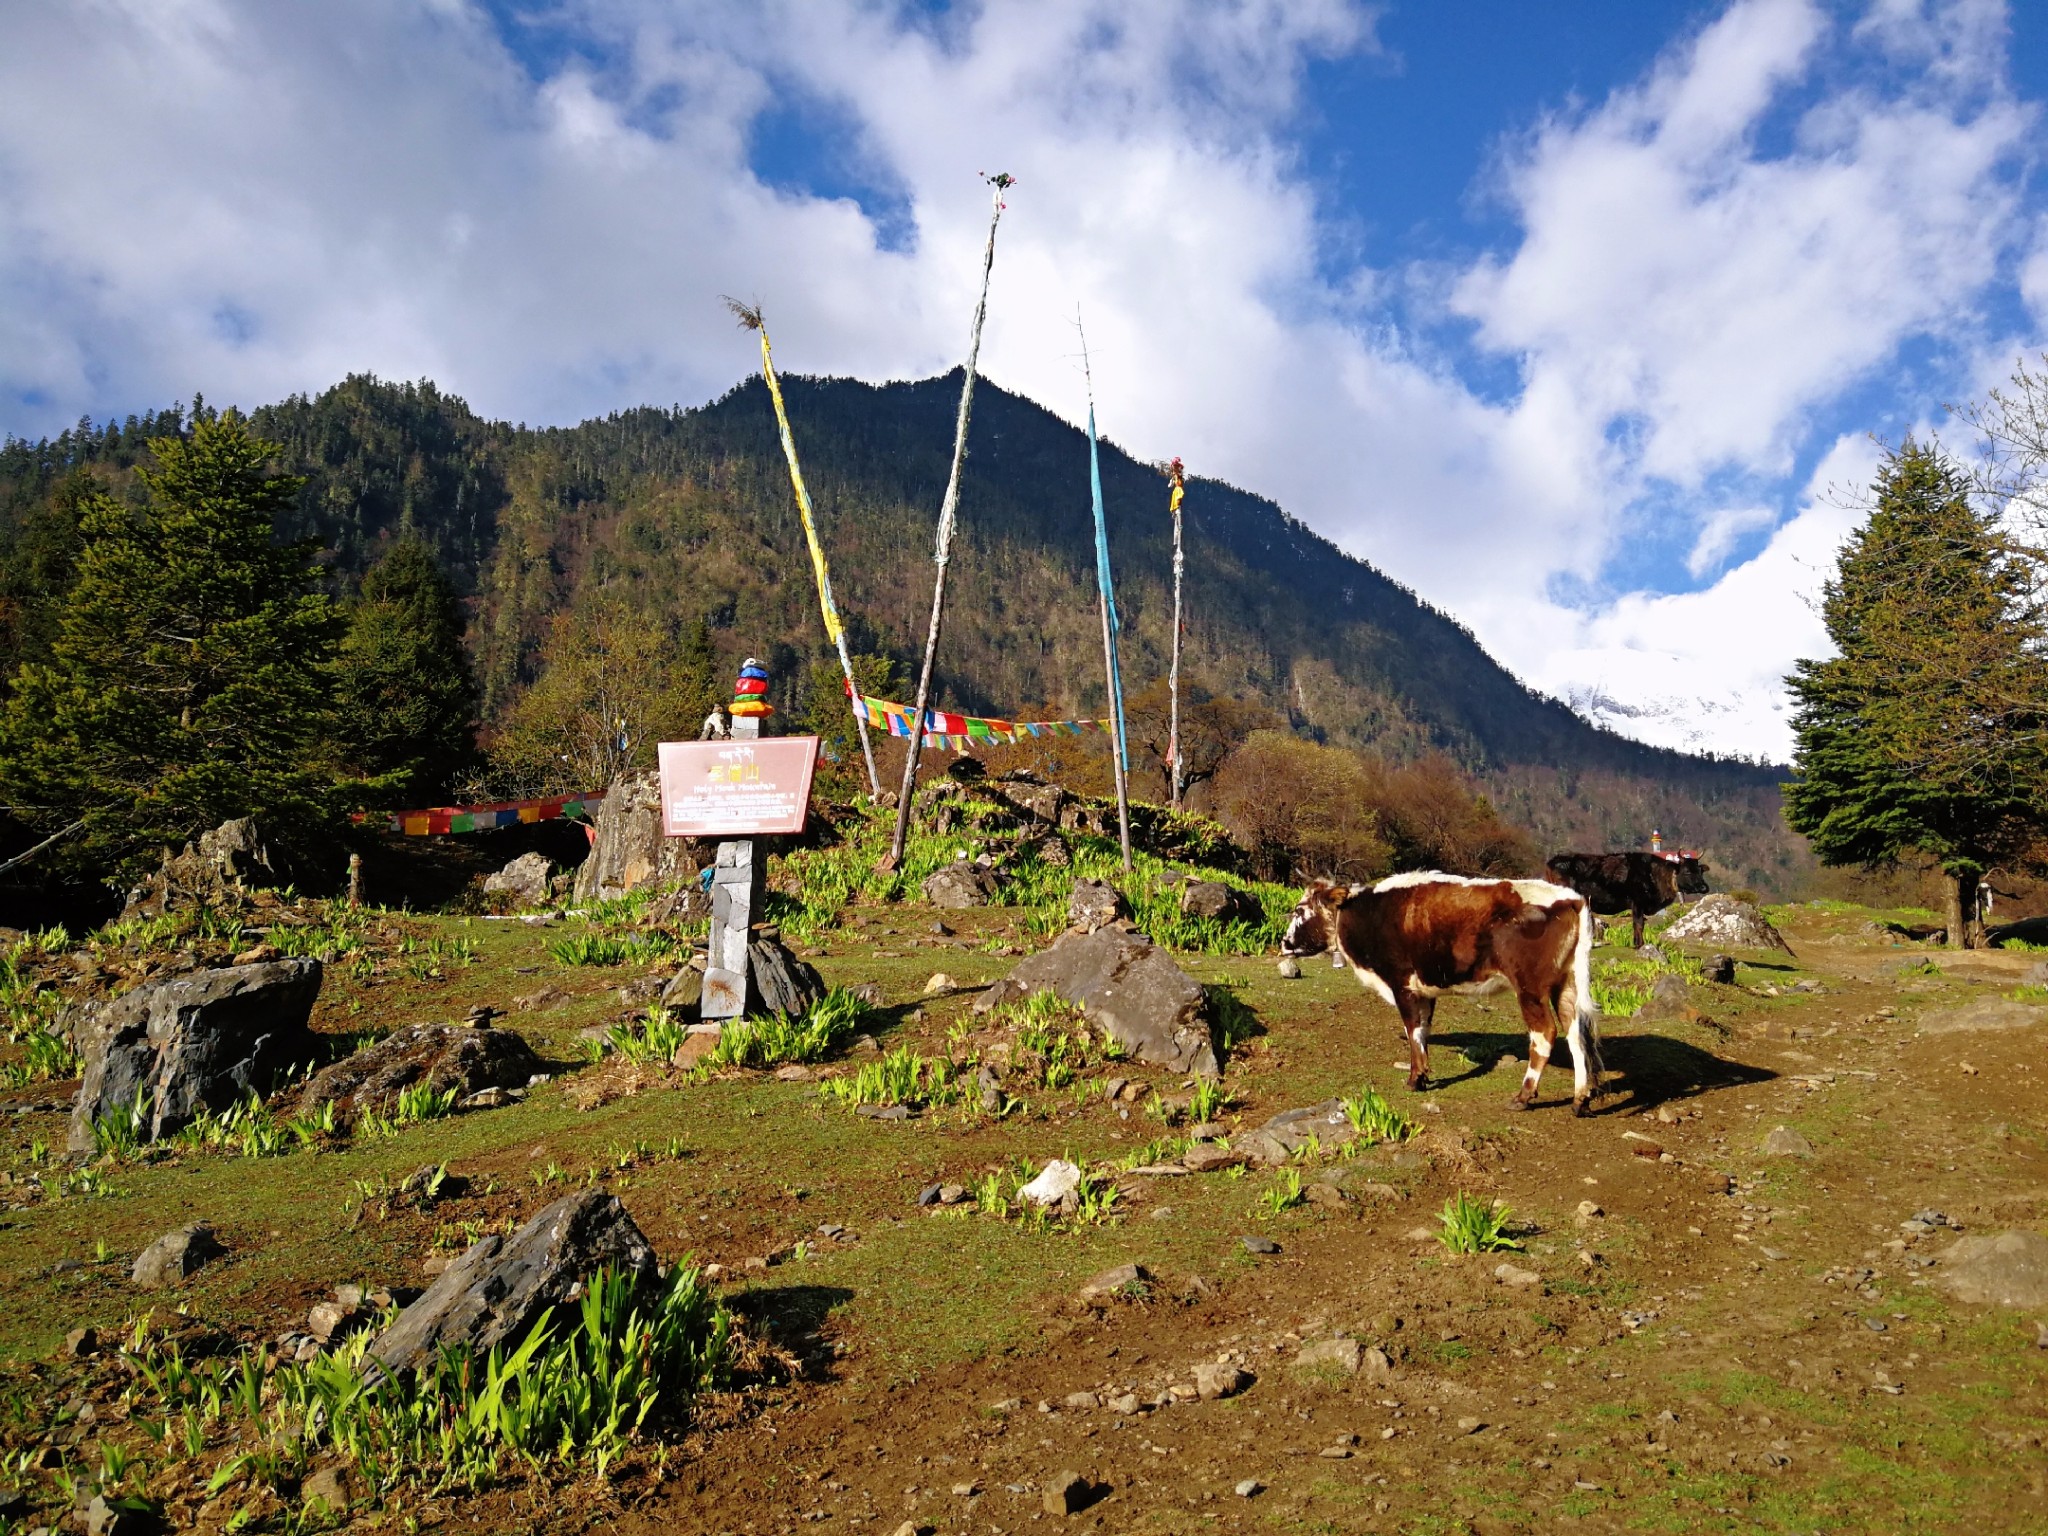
(1692,876)
(1313,928)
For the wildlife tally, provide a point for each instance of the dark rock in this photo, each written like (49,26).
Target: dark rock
(495,1291)
(1130,989)
(524,880)
(192,1043)
(1668,1000)
(929,1195)
(13,1504)
(174,1256)
(781,981)
(1720,969)
(687,903)
(1041,802)
(448,1058)
(1094,904)
(1213,899)
(959,885)
(628,850)
(1049,850)
(643,989)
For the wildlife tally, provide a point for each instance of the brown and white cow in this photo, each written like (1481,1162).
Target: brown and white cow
(1414,937)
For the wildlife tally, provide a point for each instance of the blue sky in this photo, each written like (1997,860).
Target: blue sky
(1576,317)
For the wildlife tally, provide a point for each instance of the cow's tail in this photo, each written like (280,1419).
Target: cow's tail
(1583,1032)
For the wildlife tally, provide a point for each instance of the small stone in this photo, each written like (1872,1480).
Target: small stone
(1471,1426)
(1056,1180)
(1121,1279)
(794,1072)
(1002,1407)
(1066,1493)
(2041,1335)
(966,1490)
(327,1318)
(929,1195)
(1214,1380)
(1082,1402)
(82,1343)
(1786,1142)
(1511,1274)
(1875,1325)
(952,1194)
(891,1112)
(1205,1157)
(1335,1453)
(1588,1213)
(940,982)
(1113,1089)
(13,1504)
(1344,1355)
(1666,1115)
(908,1528)
(174,1256)
(329,1487)
(103,1519)
(1250,1488)
(1256,1244)
(1290,969)
(1127,1404)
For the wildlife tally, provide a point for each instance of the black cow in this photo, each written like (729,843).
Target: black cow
(1640,884)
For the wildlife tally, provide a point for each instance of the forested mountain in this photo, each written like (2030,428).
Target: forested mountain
(687,514)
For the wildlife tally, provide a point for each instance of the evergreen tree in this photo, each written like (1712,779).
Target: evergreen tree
(407,702)
(187,680)
(1926,733)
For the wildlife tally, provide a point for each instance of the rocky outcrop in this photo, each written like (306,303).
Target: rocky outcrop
(494,1292)
(628,850)
(524,880)
(1726,923)
(960,884)
(1129,988)
(448,1058)
(187,1044)
(215,871)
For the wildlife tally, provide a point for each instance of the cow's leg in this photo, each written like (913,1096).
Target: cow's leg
(1636,913)
(1541,1021)
(1416,1013)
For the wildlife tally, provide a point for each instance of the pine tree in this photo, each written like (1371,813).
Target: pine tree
(407,702)
(1926,733)
(187,679)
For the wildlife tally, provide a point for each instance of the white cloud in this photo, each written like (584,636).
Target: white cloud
(1703,670)
(252,199)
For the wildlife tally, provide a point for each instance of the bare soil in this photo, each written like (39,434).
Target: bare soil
(1734,1342)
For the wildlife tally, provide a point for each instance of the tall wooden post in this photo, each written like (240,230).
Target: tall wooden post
(1002,182)
(1173,770)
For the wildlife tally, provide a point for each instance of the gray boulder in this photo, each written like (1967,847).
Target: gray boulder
(449,1058)
(525,880)
(174,1256)
(2008,1270)
(1093,904)
(495,1291)
(960,884)
(1130,989)
(628,850)
(1215,900)
(1040,802)
(1783,1141)
(192,1043)
(1722,921)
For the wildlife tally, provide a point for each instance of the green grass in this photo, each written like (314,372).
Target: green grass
(901,1077)
(1622,986)
(1374,1119)
(1474,1226)
(772,1039)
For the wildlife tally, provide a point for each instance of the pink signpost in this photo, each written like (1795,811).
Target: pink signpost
(736,789)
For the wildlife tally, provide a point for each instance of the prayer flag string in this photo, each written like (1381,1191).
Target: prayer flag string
(948,731)
(442,819)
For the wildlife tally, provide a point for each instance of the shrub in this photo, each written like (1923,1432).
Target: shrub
(901,1077)
(1375,1119)
(768,1040)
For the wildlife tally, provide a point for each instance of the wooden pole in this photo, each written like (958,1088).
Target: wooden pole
(1177,475)
(750,317)
(1104,588)
(943,551)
